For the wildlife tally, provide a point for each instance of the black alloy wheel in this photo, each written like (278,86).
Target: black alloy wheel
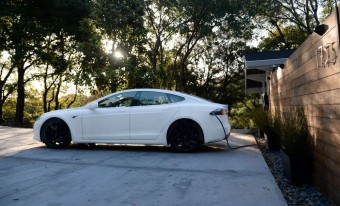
(55,134)
(185,136)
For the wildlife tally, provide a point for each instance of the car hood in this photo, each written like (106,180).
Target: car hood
(59,112)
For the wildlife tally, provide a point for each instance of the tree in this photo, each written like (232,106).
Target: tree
(293,39)
(160,19)
(197,20)
(94,59)
(60,65)
(64,24)
(219,74)
(240,113)
(192,46)
(173,31)
(24,36)
(6,69)
(6,87)
(31,22)
(200,20)
(282,17)
(121,22)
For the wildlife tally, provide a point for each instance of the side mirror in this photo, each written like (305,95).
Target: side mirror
(94,105)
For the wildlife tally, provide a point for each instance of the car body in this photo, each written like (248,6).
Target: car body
(137,116)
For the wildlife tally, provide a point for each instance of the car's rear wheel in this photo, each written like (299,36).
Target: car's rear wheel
(55,134)
(185,135)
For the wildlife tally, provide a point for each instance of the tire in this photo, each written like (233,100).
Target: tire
(55,134)
(185,136)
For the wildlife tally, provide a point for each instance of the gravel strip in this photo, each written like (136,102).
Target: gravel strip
(306,195)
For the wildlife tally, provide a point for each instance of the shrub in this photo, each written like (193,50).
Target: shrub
(269,123)
(294,133)
(239,117)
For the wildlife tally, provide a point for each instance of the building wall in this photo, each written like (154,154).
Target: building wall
(309,82)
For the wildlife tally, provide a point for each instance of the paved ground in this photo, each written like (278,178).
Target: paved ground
(32,175)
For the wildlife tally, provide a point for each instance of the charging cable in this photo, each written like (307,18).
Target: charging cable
(227,136)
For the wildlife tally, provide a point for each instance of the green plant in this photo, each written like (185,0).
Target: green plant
(261,119)
(296,159)
(294,133)
(239,116)
(270,124)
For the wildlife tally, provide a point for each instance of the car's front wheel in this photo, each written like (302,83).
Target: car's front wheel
(185,135)
(55,133)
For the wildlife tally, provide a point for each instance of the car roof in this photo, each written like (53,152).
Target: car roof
(200,99)
(149,89)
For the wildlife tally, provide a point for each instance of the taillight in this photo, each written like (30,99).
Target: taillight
(220,111)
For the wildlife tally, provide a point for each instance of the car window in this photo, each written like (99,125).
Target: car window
(118,100)
(174,98)
(153,98)
(200,98)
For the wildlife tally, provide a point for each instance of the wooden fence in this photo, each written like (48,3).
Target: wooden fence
(311,80)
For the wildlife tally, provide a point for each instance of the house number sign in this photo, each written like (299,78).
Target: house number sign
(325,55)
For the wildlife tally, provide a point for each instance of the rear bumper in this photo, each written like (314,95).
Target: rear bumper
(217,128)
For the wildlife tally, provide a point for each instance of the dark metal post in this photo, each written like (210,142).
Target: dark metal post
(337,21)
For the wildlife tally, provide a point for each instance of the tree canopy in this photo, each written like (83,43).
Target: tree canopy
(288,22)
(59,50)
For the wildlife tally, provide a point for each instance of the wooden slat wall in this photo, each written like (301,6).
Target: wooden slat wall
(317,89)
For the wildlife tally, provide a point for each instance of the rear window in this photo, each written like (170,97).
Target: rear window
(200,98)
(153,98)
(174,98)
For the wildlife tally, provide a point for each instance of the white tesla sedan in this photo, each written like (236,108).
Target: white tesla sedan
(137,116)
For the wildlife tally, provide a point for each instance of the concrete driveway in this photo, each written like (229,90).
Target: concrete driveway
(31,174)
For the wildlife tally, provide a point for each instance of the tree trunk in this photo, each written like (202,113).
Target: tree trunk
(20,106)
(56,97)
(45,100)
(1,113)
(46,89)
(181,78)
(1,103)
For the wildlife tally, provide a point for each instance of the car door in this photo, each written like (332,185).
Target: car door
(153,112)
(110,121)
